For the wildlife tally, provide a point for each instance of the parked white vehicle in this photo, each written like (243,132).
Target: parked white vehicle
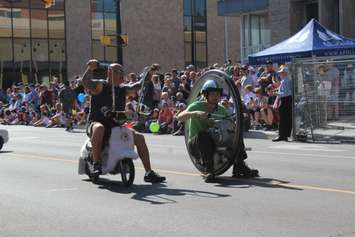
(4,137)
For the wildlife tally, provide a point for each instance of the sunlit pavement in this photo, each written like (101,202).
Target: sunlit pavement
(304,190)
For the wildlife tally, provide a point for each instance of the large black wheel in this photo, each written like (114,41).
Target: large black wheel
(127,171)
(231,128)
(1,142)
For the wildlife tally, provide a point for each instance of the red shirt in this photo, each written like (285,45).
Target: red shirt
(165,116)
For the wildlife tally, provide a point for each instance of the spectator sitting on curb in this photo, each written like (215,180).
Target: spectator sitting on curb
(44,118)
(165,119)
(58,120)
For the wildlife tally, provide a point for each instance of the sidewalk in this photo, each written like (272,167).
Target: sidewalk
(260,134)
(332,135)
(341,130)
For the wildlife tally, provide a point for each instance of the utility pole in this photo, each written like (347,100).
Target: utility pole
(226,39)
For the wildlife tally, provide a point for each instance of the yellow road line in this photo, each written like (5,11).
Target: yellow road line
(173,172)
(275,183)
(333,190)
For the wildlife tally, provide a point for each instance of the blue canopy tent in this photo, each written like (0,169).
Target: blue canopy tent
(312,40)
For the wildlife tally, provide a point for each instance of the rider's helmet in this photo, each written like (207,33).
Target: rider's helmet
(209,86)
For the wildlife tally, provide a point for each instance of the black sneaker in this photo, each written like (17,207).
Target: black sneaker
(242,170)
(153,177)
(96,168)
(210,178)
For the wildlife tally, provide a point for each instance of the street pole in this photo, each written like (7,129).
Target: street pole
(226,45)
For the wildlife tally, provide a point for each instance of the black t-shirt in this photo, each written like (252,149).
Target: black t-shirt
(67,97)
(271,100)
(148,94)
(265,83)
(104,99)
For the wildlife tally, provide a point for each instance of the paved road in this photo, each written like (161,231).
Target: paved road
(304,190)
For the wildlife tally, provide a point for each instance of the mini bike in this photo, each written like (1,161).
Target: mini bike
(117,156)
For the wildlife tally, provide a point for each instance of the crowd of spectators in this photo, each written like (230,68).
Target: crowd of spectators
(165,95)
(42,105)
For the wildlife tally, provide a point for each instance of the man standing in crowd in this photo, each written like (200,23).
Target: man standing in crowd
(67,97)
(284,102)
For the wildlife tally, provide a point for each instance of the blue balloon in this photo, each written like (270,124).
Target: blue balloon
(81,97)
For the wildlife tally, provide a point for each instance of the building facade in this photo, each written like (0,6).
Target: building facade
(39,44)
(175,34)
(267,22)
(32,42)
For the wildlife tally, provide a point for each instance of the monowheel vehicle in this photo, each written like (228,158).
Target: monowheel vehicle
(226,131)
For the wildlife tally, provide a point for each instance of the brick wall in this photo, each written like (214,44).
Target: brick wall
(155,32)
(215,35)
(78,36)
(279,11)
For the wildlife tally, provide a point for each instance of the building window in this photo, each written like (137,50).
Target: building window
(255,35)
(5,22)
(39,24)
(195,32)
(30,36)
(56,24)
(104,21)
(21,22)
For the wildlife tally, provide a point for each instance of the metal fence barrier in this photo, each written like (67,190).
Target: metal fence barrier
(324,99)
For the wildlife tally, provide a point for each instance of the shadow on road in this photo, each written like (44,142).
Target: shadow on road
(258,134)
(155,193)
(6,152)
(224,181)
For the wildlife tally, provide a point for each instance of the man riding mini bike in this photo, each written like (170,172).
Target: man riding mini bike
(118,153)
(99,127)
(201,139)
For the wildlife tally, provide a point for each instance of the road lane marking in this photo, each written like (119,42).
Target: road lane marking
(275,183)
(304,147)
(333,190)
(37,157)
(172,172)
(23,138)
(304,154)
(59,190)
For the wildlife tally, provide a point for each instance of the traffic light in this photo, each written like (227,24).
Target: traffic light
(48,3)
(122,39)
(114,40)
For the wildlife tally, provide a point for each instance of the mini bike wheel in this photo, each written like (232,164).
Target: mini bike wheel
(127,171)
(93,178)
(1,142)
(87,170)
